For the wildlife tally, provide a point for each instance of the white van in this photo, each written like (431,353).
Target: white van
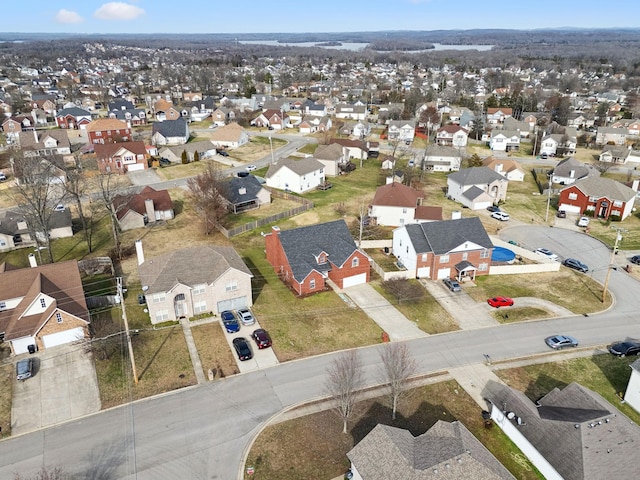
(502,216)
(583,222)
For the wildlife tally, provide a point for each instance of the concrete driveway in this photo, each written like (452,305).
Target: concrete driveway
(144,177)
(262,358)
(63,388)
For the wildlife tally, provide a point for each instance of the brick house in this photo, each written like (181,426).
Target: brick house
(305,257)
(108,130)
(42,306)
(73,117)
(602,197)
(121,157)
(147,207)
(457,248)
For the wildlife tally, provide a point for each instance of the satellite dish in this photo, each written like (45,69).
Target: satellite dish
(145,288)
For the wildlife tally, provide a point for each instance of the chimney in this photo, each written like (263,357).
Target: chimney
(456,215)
(33,263)
(242,191)
(572,173)
(635,184)
(139,252)
(275,229)
(35,134)
(150,210)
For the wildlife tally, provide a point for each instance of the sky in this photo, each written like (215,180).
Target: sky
(286,16)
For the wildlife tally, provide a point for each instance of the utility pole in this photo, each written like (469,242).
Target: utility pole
(126,329)
(271,145)
(546,216)
(613,253)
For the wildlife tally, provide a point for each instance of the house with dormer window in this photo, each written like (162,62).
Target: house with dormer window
(305,257)
(121,157)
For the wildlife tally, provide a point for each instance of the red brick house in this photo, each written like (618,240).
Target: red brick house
(602,197)
(108,130)
(121,157)
(457,248)
(305,257)
(73,117)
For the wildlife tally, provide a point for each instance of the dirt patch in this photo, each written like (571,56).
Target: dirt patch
(307,218)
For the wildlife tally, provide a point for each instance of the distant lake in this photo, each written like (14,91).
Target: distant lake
(360,46)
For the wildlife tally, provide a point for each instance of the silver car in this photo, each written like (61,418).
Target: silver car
(246,317)
(24,369)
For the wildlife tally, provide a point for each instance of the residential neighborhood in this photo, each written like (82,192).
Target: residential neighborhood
(238,226)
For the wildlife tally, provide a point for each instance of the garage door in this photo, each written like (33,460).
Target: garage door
(233,304)
(134,167)
(61,338)
(354,280)
(423,272)
(21,345)
(569,208)
(444,273)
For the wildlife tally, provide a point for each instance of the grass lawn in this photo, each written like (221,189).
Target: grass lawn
(427,313)
(179,170)
(604,374)
(279,452)
(7,377)
(605,231)
(214,350)
(519,314)
(576,292)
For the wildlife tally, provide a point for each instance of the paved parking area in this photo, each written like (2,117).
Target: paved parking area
(64,387)
(261,358)
(144,177)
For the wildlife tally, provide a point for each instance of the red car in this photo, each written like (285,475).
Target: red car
(498,302)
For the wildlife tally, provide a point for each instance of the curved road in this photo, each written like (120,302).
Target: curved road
(201,432)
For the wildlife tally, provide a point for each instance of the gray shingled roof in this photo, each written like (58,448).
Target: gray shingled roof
(189,266)
(435,150)
(579,433)
(171,128)
(233,187)
(301,167)
(605,187)
(302,245)
(442,237)
(446,451)
(74,111)
(475,176)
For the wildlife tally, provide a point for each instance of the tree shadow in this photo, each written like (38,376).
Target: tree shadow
(615,369)
(542,385)
(155,354)
(104,461)
(178,207)
(258,281)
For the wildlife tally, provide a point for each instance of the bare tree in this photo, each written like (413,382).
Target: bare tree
(344,380)
(206,192)
(39,188)
(398,366)
(55,473)
(76,187)
(430,117)
(114,197)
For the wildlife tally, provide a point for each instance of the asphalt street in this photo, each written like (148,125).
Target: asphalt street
(201,432)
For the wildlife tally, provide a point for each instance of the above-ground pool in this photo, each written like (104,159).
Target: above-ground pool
(502,255)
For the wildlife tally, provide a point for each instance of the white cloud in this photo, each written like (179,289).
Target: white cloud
(118,11)
(67,16)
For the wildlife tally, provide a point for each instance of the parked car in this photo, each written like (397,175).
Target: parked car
(635,259)
(251,168)
(583,222)
(452,284)
(243,350)
(561,341)
(262,338)
(246,317)
(547,253)
(59,208)
(493,208)
(500,215)
(24,369)
(230,321)
(498,302)
(575,264)
(223,153)
(544,155)
(3,177)
(141,299)
(243,174)
(561,214)
(164,161)
(622,349)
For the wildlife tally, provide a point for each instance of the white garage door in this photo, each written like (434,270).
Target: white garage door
(21,345)
(135,167)
(233,304)
(423,272)
(354,280)
(569,208)
(444,273)
(61,338)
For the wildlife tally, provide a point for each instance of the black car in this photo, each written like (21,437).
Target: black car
(575,264)
(242,349)
(261,337)
(622,349)
(141,299)
(165,161)
(493,208)
(635,259)
(223,153)
(24,369)
(561,214)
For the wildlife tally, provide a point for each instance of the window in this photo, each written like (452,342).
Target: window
(465,255)
(404,210)
(484,253)
(593,199)
(179,297)
(231,286)
(483,267)
(58,317)
(424,257)
(3,243)
(159,297)
(312,283)
(43,302)
(3,305)
(355,262)
(98,134)
(199,289)
(444,258)
(617,204)
(573,196)
(162,315)
(200,307)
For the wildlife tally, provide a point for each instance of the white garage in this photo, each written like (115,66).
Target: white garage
(21,345)
(354,280)
(444,273)
(570,208)
(61,338)
(423,272)
(232,304)
(135,167)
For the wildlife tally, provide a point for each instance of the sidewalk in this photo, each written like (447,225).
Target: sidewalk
(193,351)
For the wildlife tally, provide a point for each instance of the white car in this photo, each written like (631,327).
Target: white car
(547,253)
(502,216)
(583,222)
(59,208)
(251,168)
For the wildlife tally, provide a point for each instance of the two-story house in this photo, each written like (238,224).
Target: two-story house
(121,157)
(108,130)
(452,136)
(497,115)
(401,130)
(504,140)
(602,197)
(477,187)
(395,204)
(73,117)
(458,248)
(297,176)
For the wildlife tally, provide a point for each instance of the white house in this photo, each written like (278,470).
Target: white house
(504,140)
(440,158)
(401,130)
(477,187)
(510,169)
(632,394)
(452,135)
(295,175)
(395,204)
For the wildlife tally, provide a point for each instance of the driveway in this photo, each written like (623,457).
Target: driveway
(144,177)
(262,358)
(63,388)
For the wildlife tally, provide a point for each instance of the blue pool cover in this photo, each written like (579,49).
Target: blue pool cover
(501,254)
